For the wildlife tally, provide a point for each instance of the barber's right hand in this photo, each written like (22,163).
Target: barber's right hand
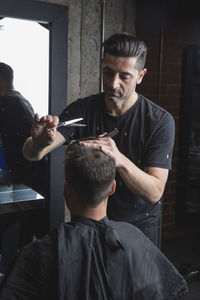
(44,129)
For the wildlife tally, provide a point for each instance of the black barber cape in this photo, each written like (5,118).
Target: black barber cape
(93,260)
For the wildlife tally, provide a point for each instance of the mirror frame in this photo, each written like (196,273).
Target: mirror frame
(55,17)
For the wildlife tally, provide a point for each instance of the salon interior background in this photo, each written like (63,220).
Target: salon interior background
(156,22)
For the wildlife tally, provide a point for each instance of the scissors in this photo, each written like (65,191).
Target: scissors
(71,123)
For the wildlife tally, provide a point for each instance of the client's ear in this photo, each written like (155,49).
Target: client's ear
(67,193)
(112,190)
(66,189)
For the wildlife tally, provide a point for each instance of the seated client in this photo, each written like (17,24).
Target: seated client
(91,257)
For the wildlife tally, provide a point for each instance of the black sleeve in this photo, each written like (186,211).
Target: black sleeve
(72,111)
(68,132)
(160,148)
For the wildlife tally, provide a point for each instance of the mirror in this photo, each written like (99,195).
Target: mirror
(55,17)
(30,63)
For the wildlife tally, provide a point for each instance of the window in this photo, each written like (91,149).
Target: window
(25,47)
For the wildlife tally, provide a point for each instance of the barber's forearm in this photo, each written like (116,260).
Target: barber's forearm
(31,151)
(139,182)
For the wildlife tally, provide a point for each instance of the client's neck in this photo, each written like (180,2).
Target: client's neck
(95,213)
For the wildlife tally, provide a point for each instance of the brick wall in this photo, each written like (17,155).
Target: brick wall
(181,27)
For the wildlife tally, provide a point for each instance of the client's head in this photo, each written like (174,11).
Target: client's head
(89,177)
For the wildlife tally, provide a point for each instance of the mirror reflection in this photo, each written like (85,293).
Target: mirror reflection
(24,77)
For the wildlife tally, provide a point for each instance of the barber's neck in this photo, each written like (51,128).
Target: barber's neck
(120,107)
(4,89)
(96,213)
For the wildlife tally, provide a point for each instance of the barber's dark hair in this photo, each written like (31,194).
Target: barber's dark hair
(126,45)
(6,72)
(90,173)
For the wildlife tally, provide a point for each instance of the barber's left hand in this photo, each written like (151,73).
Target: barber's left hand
(106,145)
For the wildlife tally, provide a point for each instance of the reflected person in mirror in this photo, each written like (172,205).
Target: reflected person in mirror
(16,120)
(14,131)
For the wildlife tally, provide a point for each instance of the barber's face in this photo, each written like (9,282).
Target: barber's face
(120,77)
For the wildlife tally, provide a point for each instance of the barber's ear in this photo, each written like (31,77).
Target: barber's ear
(141,75)
(112,190)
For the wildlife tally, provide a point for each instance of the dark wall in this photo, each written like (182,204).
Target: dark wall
(168,27)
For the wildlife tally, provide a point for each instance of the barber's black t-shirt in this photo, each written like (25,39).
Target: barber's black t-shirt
(146,137)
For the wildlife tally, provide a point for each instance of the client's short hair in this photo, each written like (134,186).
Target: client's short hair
(90,173)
